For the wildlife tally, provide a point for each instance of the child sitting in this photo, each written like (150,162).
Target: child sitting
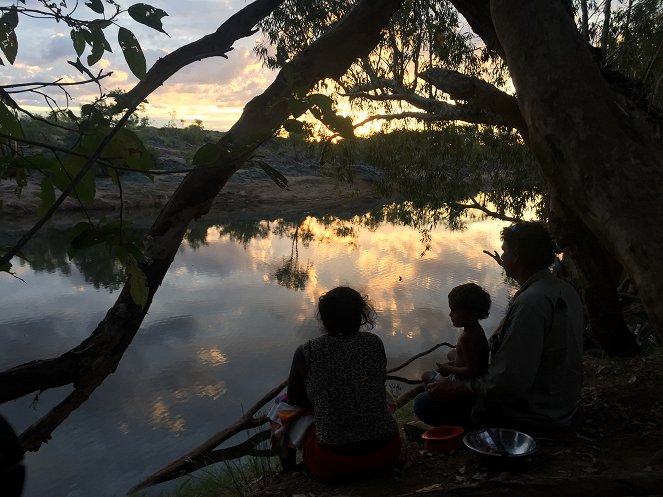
(468,304)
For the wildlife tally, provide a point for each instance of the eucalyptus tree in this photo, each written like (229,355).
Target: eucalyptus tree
(446,62)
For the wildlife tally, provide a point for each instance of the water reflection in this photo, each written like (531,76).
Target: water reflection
(47,251)
(292,274)
(222,330)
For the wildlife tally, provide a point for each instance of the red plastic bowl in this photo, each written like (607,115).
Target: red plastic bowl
(443,438)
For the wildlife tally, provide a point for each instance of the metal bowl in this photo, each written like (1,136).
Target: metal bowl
(500,443)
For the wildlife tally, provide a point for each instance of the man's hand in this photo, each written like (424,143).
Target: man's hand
(495,256)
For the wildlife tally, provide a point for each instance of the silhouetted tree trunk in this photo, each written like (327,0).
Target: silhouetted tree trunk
(599,158)
(598,282)
(596,156)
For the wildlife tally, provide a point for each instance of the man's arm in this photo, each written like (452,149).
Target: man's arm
(516,363)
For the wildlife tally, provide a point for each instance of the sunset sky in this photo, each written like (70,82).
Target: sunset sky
(214,90)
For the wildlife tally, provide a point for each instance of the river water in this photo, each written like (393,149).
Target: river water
(221,332)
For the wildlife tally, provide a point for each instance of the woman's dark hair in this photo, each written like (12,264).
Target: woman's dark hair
(470,298)
(344,310)
(531,242)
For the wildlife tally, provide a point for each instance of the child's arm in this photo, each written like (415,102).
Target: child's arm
(466,364)
(451,355)
(461,372)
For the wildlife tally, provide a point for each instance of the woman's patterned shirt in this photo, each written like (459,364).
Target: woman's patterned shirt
(345,383)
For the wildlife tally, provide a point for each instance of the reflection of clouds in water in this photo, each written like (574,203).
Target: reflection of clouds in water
(213,357)
(219,334)
(161,416)
(213,391)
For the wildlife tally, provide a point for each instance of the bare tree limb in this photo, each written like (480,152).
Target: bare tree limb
(480,96)
(417,356)
(485,103)
(420,116)
(476,205)
(34,85)
(194,459)
(477,14)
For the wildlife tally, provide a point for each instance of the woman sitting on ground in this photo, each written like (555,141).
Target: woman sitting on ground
(341,377)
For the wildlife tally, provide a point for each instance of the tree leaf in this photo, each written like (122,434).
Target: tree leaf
(9,125)
(275,175)
(99,46)
(297,106)
(37,161)
(339,124)
(127,145)
(47,196)
(80,236)
(324,102)
(10,17)
(133,54)
(8,40)
(293,126)
(85,190)
(96,54)
(207,155)
(147,15)
(96,5)
(78,38)
(81,68)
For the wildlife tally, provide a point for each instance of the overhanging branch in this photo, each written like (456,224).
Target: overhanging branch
(494,104)
(484,103)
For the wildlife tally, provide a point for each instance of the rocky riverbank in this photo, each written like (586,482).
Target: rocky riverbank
(249,192)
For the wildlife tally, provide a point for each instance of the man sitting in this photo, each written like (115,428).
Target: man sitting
(535,373)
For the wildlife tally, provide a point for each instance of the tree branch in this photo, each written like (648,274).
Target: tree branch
(238,26)
(477,14)
(484,209)
(417,356)
(328,57)
(217,44)
(481,96)
(195,458)
(486,104)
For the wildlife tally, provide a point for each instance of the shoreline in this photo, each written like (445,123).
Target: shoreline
(305,195)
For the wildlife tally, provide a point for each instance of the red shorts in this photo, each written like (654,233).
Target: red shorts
(326,464)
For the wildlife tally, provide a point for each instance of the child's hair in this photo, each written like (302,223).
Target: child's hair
(471,298)
(344,310)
